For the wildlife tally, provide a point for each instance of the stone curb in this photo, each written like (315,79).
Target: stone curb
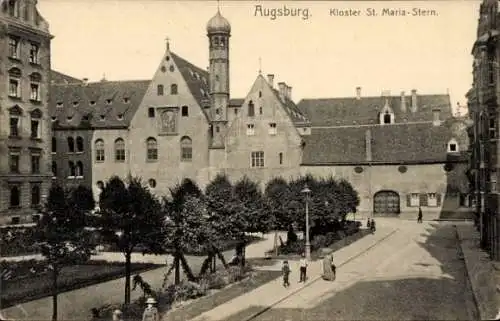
(264,309)
(469,266)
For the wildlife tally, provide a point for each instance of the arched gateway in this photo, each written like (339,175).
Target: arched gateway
(386,203)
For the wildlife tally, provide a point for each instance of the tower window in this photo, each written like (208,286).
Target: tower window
(260,110)
(151,112)
(492,127)
(185,111)
(387,118)
(159,90)
(281,158)
(452,146)
(217,129)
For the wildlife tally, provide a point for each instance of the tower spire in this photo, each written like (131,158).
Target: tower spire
(218,5)
(260,65)
(167,39)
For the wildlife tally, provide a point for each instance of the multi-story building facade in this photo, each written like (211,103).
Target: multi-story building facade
(25,128)
(483,132)
(400,152)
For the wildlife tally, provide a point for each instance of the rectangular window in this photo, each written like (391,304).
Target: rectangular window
(432,199)
(491,72)
(13,47)
(120,155)
(14,87)
(14,162)
(492,128)
(272,129)
(34,48)
(250,129)
(151,112)
(14,127)
(35,92)
(258,159)
(281,158)
(99,155)
(35,163)
(414,199)
(185,111)
(35,128)
(493,181)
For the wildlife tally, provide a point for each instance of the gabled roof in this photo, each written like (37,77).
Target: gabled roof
(60,78)
(291,108)
(390,144)
(197,80)
(105,104)
(236,102)
(364,111)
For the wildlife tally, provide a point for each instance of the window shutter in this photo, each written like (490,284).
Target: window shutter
(408,200)
(438,199)
(423,200)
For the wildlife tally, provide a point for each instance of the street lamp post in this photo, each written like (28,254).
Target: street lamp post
(306,191)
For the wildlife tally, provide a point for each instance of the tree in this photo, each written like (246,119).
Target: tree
(130,215)
(251,213)
(61,232)
(279,195)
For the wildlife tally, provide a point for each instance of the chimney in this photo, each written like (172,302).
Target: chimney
(414,100)
(435,117)
(358,93)
(282,90)
(368,145)
(290,92)
(85,81)
(386,93)
(403,102)
(270,80)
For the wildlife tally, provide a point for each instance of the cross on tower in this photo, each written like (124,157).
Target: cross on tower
(168,43)
(260,65)
(218,5)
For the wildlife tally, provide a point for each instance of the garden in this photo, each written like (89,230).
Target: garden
(129,218)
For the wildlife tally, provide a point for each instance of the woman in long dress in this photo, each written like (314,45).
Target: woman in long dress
(328,273)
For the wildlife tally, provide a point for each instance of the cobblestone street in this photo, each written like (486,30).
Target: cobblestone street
(416,274)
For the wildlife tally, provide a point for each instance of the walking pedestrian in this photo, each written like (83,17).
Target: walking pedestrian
(286,274)
(368,224)
(328,268)
(303,268)
(419,219)
(372,226)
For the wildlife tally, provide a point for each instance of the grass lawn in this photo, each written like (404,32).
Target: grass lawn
(211,301)
(72,277)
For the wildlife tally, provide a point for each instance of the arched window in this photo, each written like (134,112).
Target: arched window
(35,194)
(13,6)
(159,90)
(387,118)
(119,150)
(54,145)
(15,81)
(99,150)
(79,144)
(173,89)
(71,144)
(152,149)
(79,169)
(15,196)
(72,169)
(186,149)
(54,169)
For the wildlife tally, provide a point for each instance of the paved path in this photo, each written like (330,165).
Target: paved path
(76,305)
(272,292)
(414,274)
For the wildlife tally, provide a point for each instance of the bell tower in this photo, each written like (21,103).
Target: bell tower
(218,32)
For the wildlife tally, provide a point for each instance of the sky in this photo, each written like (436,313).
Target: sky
(322,56)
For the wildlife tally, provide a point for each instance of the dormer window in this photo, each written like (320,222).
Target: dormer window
(126,100)
(59,104)
(108,101)
(69,118)
(103,117)
(54,118)
(453,146)
(75,103)
(120,116)
(92,103)
(387,118)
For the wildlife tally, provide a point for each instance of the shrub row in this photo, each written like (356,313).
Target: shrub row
(171,294)
(17,241)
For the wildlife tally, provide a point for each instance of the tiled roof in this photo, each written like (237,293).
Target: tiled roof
(236,102)
(291,108)
(98,104)
(197,80)
(60,78)
(398,143)
(351,111)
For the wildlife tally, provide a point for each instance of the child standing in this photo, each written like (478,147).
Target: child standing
(286,274)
